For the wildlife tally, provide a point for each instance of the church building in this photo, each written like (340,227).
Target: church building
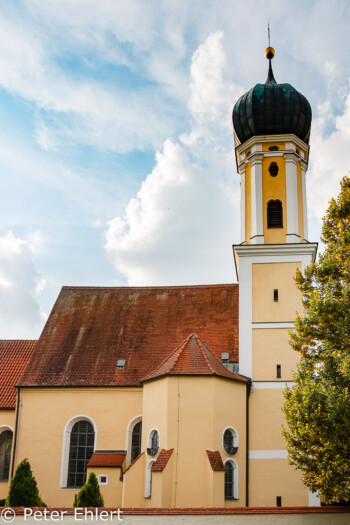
(172,395)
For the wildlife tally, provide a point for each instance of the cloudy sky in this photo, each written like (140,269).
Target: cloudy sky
(116,146)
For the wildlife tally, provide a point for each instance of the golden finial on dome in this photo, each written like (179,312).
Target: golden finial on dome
(269,51)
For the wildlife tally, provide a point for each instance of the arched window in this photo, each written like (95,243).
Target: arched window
(153,442)
(81,448)
(231,480)
(148,482)
(5,454)
(274,214)
(230,441)
(136,441)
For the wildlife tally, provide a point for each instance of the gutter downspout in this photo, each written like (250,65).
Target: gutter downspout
(16,429)
(249,385)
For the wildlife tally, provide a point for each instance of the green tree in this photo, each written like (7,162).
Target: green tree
(89,495)
(23,490)
(317,407)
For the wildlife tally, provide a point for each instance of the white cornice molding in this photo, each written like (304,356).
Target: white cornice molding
(252,250)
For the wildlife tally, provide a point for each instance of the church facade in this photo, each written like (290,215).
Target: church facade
(172,395)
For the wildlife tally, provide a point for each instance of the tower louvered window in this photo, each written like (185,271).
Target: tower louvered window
(80,451)
(274,214)
(5,454)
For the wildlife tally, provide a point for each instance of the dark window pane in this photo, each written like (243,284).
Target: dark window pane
(136,440)
(229,481)
(5,454)
(80,451)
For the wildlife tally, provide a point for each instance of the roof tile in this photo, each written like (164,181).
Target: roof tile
(14,357)
(192,357)
(215,460)
(106,459)
(162,460)
(89,329)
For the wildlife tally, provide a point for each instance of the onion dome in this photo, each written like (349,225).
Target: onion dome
(272,109)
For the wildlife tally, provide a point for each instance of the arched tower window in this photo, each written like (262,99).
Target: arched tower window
(5,454)
(231,480)
(136,441)
(80,451)
(274,214)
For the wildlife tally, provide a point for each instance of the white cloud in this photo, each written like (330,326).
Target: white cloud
(185,212)
(20,313)
(329,158)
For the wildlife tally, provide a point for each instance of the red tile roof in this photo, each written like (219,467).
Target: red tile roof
(192,358)
(215,460)
(90,329)
(162,460)
(106,459)
(14,357)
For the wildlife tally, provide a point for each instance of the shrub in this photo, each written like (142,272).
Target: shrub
(23,490)
(89,495)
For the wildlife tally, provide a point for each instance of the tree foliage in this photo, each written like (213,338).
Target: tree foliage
(89,495)
(23,490)
(317,407)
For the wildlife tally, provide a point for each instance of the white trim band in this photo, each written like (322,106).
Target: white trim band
(271,384)
(273,325)
(267,454)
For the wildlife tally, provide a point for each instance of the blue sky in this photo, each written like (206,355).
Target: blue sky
(116,146)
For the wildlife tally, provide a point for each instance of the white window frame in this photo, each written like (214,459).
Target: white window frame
(235,438)
(66,445)
(128,441)
(235,476)
(149,439)
(148,479)
(102,482)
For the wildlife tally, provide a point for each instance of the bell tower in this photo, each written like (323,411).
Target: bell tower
(272,125)
(272,128)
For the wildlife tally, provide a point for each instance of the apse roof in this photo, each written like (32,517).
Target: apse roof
(90,329)
(14,357)
(192,357)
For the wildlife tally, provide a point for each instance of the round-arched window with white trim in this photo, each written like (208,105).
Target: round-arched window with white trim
(231,479)
(148,479)
(153,442)
(230,441)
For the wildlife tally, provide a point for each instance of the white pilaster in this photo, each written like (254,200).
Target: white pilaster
(242,174)
(257,199)
(303,190)
(292,198)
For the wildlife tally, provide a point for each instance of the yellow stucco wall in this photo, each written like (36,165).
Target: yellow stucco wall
(199,409)
(265,419)
(266,278)
(7,419)
(134,484)
(274,188)
(248,203)
(275,477)
(113,492)
(271,348)
(43,416)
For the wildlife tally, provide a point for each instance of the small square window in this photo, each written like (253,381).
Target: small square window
(102,480)
(121,363)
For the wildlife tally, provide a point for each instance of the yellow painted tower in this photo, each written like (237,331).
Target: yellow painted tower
(272,128)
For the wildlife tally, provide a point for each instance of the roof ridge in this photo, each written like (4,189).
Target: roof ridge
(201,344)
(160,287)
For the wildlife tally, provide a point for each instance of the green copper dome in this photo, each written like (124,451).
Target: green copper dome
(272,109)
